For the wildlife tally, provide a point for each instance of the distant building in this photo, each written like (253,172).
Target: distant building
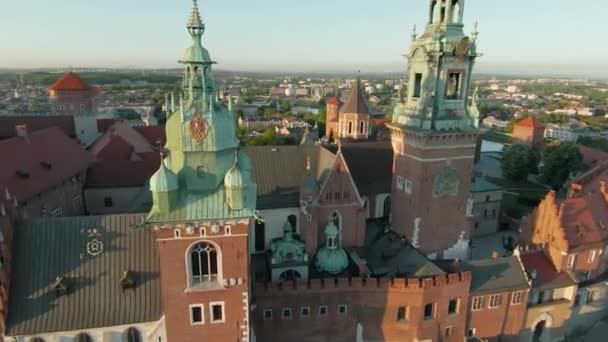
(351,120)
(486,199)
(560,132)
(493,122)
(529,131)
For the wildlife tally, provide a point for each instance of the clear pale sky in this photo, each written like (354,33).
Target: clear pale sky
(516,36)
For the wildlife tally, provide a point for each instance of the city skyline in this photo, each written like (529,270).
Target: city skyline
(319,37)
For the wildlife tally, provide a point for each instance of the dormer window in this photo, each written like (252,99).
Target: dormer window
(61,286)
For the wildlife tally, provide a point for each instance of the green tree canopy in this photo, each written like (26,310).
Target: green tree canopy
(559,161)
(518,161)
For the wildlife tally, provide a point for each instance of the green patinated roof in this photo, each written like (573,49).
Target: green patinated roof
(205,206)
(163,180)
(234,177)
(481,185)
(49,248)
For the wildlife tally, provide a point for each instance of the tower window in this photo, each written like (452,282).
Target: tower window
(402,314)
(417,85)
(454,85)
(361,127)
(429,312)
(453,307)
(203,264)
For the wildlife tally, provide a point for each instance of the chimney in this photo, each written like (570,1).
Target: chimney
(22,132)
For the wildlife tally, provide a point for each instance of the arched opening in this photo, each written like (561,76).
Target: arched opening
(204,264)
(538,331)
(132,335)
(290,275)
(293,220)
(455,12)
(84,337)
(260,235)
(387,207)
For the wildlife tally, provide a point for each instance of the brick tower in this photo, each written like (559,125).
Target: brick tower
(332,115)
(204,202)
(434,134)
(354,120)
(71,95)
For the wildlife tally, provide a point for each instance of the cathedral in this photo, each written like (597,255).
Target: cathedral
(356,241)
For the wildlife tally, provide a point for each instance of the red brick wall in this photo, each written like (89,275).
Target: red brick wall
(418,158)
(177,298)
(373,303)
(507,320)
(331,119)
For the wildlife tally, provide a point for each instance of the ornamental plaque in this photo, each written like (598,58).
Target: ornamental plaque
(198,129)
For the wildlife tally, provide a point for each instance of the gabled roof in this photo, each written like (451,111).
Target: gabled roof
(542,272)
(22,172)
(71,81)
(91,254)
(497,275)
(530,122)
(36,123)
(356,102)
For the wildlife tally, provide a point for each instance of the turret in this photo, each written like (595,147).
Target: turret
(235,185)
(164,186)
(332,115)
(332,258)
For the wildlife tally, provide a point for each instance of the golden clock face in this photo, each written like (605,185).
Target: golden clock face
(198,129)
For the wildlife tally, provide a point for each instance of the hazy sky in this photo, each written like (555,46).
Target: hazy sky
(542,36)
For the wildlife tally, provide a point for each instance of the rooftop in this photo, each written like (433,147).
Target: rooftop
(72,82)
(497,275)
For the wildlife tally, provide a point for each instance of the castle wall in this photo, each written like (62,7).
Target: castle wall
(371,303)
(502,323)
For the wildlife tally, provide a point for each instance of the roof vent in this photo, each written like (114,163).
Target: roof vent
(47,164)
(127,281)
(23,174)
(61,286)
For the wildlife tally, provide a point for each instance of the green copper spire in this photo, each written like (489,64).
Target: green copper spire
(213,178)
(332,258)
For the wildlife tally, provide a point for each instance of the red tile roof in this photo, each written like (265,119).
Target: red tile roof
(334,101)
(154,134)
(123,173)
(70,81)
(115,150)
(104,124)
(530,122)
(591,156)
(24,157)
(36,123)
(543,273)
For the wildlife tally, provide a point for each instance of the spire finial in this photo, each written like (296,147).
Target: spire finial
(475,32)
(414,34)
(195,24)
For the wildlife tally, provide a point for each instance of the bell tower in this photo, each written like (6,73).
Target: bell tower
(434,134)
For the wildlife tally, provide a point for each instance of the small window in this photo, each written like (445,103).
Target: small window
(196,314)
(591,257)
(84,337)
(518,297)
(267,314)
(108,202)
(57,212)
(305,312)
(488,198)
(322,310)
(286,313)
(217,312)
(485,213)
(81,106)
(453,307)
(571,260)
(409,186)
(494,301)
(399,183)
(477,303)
(449,331)
(577,300)
(342,309)
(402,314)
(417,85)
(494,212)
(77,201)
(429,312)
(471,332)
(590,297)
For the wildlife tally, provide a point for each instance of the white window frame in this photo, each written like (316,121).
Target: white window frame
(477,303)
(326,311)
(408,187)
(591,257)
(494,302)
(517,297)
(470,204)
(302,312)
(400,182)
(288,310)
(449,331)
(471,332)
(57,212)
(571,261)
(266,318)
(345,309)
(457,307)
(217,321)
(202,308)
(77,201)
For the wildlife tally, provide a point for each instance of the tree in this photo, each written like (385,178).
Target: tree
(517,162)
(559,161)
(599,111)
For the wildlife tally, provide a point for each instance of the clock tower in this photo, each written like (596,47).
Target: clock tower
(434,135)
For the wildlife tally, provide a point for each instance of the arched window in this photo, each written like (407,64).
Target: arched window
(361,126)
(84,337)
(203,264)
(456,12)
(387,206)
(132,335)
(290,275)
